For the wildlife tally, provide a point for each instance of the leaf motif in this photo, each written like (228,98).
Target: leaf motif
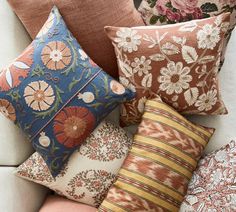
(20,65)
(189,54)
(9,78)
(191,95)
(125,68)
(179,40)
(147,81)
(188,27)
(170,49)
(206,59)
(157,57)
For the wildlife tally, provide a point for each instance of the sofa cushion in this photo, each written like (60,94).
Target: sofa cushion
(19,195)
(90,171)
(212,186)
(56,94)
(15,148)
(55,203)
(177,62)
(86,20)
(164,154)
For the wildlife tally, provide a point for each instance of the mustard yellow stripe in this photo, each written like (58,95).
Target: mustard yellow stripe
(165,161)
(152,183)
(162,106)
(175,125)
(111,206)
(166,147)
(143,194)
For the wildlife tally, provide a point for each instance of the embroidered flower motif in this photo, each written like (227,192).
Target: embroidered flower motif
(7,109)
(44,140)
(72,125)
(206,101)
(46,27)
(208,37)
(12,76)
(83,55)
(39,95)
(141,66)
(117,88)
(56,55)
(87,97)
(141,104)
(128,39)
(127,84)
(174,78)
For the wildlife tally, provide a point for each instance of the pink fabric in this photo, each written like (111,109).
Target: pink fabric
(59,204)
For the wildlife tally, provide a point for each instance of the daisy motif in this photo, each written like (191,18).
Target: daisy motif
(128,39)
(175,78)
(208,37)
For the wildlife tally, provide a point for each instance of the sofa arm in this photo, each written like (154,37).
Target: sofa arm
(19,195)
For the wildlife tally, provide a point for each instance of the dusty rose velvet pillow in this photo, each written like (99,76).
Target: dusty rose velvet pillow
(178,62)
(86,20)
(59,204)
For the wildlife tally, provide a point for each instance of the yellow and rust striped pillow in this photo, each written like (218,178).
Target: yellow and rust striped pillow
(160,164)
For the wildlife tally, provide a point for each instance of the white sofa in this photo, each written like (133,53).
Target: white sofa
(17,195)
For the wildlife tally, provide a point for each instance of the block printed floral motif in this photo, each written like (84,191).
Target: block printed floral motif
(56,94)
(213,185)
(177,62)
(90,171)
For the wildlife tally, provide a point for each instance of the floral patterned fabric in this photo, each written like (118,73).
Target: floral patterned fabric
(89,172)
(56,94)
(160,12)
(213,185)
(164,154)
(177,62)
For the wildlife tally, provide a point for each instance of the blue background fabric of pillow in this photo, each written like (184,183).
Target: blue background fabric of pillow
(56,94)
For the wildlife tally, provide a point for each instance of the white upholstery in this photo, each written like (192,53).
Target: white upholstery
(18,195)
(14,147)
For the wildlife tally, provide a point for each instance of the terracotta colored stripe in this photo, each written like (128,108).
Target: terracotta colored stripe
(161,187)
(166,108)
(143,194)
(175,125)
(166,147)
(172,165)
(110,206)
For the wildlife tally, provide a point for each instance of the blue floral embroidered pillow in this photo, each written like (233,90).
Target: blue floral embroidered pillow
(56,94)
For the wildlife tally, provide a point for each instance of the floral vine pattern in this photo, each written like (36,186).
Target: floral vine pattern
(179,63)
(83,178)
(160,12)
(212,187)
(56,94)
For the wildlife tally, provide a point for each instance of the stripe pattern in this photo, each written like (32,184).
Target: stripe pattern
(160,164)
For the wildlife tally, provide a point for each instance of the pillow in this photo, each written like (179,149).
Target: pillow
(212,187)
(161,12)
(91,17)
(90,171)
(164,154)
(59,204)
(56,94)
(177,62)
